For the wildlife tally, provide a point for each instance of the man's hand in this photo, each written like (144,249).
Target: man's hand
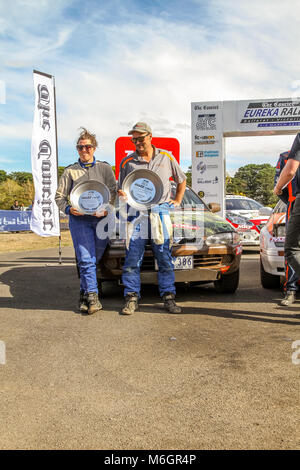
(175,202)
(74,211)
(277,191)
(122,194)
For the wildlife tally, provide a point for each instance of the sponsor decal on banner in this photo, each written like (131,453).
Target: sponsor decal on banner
(203,167)
(45,214)
(206,122)
(215,180)
(207,151)
(205,139)
(271,113)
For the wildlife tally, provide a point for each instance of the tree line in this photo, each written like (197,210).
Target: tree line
(255,181)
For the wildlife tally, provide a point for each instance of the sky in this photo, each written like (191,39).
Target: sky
(121,61)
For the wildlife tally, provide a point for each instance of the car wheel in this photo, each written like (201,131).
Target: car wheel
(268,281)
(228,283)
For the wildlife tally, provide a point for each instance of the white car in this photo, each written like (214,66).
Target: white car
(247,217)
(246,207)
(272,237)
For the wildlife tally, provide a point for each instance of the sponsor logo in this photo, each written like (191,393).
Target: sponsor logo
(202,167)
(205,139)
(206,122)
(205,107)
(279,113)
(203,181)
(207,153)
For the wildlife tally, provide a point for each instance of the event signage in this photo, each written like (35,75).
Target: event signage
(207,151)
(213,121)
(124,147)
(45,214)
(14,221)
(266,114)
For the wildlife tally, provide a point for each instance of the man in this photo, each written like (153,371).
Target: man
(146,156)
(15,206)
(291,280)
(292,239)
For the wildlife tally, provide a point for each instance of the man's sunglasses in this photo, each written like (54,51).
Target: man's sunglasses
(81,147)
(138,139)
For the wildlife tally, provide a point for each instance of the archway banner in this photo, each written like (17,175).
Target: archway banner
(213,121)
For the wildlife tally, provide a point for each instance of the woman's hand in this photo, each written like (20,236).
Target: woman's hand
(74,211)
(100,214)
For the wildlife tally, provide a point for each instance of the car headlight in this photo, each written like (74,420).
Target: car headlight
(225,238)
(279,230)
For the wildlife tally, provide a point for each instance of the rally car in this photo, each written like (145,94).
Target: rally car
(272,237)
(206,249)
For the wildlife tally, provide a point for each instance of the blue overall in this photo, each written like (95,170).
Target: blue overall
(162,252)
(88,249)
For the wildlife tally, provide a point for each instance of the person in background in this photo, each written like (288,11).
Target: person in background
(15,206)
(292,238)
(291,285)
(146,156)
(89,248)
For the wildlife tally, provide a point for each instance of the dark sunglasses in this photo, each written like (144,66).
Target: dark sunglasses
(138,139)
(81,147)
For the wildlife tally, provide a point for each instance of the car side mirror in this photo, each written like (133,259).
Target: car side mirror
(214,207)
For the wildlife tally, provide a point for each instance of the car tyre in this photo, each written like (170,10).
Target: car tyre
(228,283)
(268,281)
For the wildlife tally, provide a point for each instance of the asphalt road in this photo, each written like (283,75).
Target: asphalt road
(221,375)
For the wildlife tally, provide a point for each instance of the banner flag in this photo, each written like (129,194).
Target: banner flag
(45,213)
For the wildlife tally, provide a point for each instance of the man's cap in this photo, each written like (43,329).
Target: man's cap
(141,127)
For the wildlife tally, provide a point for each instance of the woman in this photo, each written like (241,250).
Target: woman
(88,247)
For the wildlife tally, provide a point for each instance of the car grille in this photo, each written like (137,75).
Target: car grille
(200,261)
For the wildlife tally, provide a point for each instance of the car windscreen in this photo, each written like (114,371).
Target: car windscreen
(237,205)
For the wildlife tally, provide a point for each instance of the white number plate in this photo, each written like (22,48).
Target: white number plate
(181,262)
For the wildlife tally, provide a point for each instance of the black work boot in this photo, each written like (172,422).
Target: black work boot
(93,303)
(289,298)
(83,303)
(131,303)
(170,304)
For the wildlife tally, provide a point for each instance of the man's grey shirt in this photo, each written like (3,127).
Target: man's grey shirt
(163,163)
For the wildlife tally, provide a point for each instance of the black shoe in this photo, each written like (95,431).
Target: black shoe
(93,303)
(131,303)
(83,303)
(170,304)
(289,299)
